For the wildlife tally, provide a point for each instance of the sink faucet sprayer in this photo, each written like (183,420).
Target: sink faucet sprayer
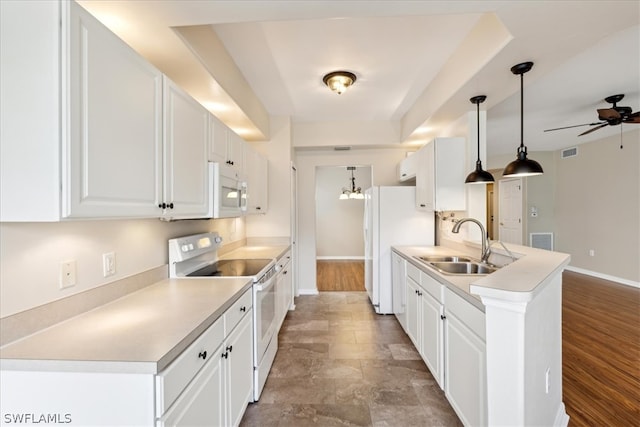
(485,238)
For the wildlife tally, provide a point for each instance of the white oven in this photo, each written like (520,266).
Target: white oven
(196,256)
(229,192)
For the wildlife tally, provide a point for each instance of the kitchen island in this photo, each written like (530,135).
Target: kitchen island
(497,349)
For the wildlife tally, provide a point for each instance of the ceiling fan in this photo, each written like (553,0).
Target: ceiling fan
(609,116)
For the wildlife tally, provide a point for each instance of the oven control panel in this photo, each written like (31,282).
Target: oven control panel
(185,248)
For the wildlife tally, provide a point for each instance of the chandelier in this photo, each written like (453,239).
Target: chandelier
(354,192)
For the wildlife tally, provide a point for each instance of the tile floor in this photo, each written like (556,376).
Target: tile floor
(340,364)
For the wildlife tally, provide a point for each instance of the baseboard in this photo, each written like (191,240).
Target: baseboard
(308,292)
(562,419)
(620,280)
(341,258)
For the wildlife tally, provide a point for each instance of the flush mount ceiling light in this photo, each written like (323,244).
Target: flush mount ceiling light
(478,176)
(522,166)
(339,81)
(354,192)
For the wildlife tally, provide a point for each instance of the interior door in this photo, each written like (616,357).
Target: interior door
(510,211)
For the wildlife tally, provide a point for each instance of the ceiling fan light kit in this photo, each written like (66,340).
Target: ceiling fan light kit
(339,81)
(478,176)
(522,166)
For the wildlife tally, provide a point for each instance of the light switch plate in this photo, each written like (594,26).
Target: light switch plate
(108,264)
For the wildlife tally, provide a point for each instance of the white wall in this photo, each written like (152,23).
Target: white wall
(597,199)
(31,253)
(383,166)
(339,223)
(347,132)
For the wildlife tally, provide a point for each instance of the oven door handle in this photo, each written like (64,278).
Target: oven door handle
(262,287)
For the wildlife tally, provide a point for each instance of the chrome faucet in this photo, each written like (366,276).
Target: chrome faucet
(485,240)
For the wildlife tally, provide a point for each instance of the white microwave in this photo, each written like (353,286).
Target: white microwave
(229,192)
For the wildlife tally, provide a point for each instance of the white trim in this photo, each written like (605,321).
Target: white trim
(308,292)
(345,258)
(620,280)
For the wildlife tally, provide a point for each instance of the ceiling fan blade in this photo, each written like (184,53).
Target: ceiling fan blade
(633,118)
(594,129)
(574,126)
(608,114)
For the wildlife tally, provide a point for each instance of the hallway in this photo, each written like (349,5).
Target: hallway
(339,363)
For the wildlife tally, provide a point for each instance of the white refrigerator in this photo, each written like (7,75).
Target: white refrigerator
(390,219)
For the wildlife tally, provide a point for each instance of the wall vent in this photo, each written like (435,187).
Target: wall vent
(569,152)
(541,240)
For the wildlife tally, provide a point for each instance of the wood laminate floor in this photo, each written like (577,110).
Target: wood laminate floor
(600,352)
(340,275)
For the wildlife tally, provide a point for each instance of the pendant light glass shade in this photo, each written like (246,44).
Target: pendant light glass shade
(522,166)
(478,176)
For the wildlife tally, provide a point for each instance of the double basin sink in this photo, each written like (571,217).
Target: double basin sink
(458,265)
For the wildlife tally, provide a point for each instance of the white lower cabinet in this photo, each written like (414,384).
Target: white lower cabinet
(284,289)
(424,319)
(399,286)
(449,333)
(465,376)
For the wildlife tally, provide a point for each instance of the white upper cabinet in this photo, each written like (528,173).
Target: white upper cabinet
(256,173)
(407,168)
(88,131)
(225,146)
(440,175)
(186,125)
(81,118)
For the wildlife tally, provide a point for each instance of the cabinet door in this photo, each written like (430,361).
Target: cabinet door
(239,369)
(432,334)
(407,168)
(235,152)
(202,401)
(413,318)
(465,379)
(112,156)
(425,177)
(218,139)
(450,173)
(399,274)
(185,154)
(256,167)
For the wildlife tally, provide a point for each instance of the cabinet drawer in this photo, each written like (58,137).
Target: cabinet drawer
(468,314)
(171,381)
(432,286)
(239,308)
(413,272)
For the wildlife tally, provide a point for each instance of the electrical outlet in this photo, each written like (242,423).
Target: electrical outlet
(592,252)
(108,264)
(67,274)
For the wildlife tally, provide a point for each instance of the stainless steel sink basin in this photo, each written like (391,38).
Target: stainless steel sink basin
(440,258)
(463,267)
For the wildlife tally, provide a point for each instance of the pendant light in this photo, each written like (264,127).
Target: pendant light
(522,166)
(478,176)
(354,192)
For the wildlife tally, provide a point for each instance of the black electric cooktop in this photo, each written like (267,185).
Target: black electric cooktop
(232,268)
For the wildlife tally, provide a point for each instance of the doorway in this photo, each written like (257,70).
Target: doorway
(339,227)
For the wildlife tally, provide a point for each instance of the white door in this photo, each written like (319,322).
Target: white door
(510,211)
(294,232)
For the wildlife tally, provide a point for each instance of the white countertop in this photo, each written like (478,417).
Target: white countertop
(141,332)
(249,252)
(518,281)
